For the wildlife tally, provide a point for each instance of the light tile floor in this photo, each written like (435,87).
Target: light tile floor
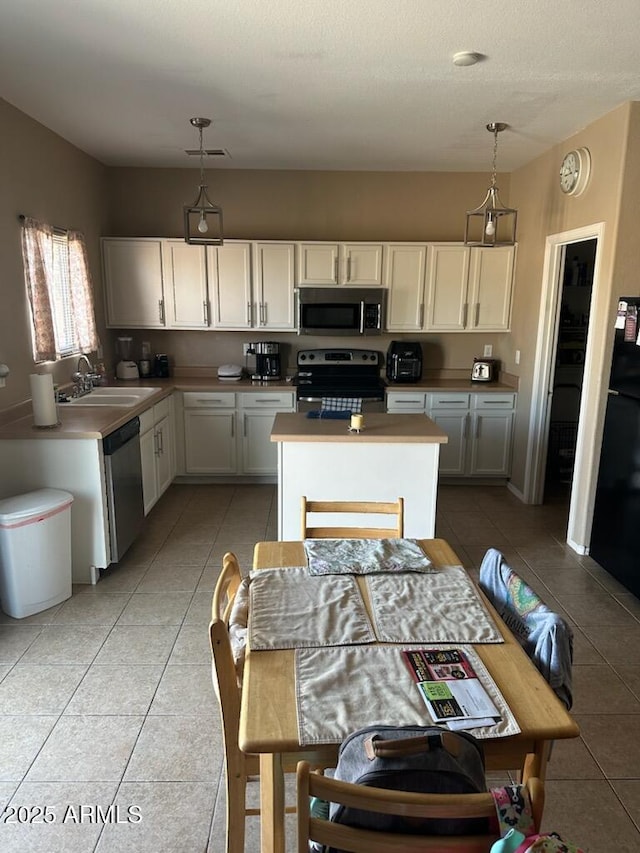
(106,700)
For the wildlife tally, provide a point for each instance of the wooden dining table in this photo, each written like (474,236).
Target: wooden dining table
(268,716)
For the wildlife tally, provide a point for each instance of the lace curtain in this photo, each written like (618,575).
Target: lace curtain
(37,255)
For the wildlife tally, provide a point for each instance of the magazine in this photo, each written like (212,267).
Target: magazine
(450,688)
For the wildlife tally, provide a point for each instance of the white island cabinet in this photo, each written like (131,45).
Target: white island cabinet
(396,455)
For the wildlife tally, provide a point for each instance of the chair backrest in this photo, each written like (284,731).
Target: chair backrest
(410,805)
(545,636)
(395,509)
(224,670)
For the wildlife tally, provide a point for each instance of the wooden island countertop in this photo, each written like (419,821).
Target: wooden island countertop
(379,428)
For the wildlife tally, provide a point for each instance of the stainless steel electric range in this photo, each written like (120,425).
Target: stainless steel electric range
(339,373)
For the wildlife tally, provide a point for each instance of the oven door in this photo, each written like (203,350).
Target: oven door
(310,403)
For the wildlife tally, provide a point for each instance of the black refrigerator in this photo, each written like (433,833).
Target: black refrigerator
(615,534)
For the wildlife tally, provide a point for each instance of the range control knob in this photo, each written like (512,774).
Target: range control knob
(302,357)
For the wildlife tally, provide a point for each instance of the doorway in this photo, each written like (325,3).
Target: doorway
(567,371)
(557,256)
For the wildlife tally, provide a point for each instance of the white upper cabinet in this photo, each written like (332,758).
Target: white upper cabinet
(490,286)
(351,264)
(468,289)
(404,271)
(229,268)
(252,285)
(185,285)
(134,295)
(446,288)
(274,285)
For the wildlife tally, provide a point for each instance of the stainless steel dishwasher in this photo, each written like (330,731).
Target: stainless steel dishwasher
(123,469)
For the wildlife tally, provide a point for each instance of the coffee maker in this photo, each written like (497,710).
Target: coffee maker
(267,355)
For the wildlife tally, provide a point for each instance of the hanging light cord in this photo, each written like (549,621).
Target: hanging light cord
(495,156)
(202,184)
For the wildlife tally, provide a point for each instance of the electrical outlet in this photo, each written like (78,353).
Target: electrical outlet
(488,350)
(517,356)
(246,349)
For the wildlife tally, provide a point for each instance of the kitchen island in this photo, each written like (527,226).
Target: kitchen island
(395,455)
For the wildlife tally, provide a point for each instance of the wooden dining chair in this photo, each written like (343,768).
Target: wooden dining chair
(395,509)
(239,765)
(404,804)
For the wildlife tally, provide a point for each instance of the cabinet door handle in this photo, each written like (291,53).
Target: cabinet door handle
(160,443)
(161,310)
(421,321)
(349,268)
(233,425)
(205,309)
(244,424)
(264,313)
(249,313)
(262,401)
(156,446)
(477,313)
(464,314)
(335,269)
(477,430)
(465,427)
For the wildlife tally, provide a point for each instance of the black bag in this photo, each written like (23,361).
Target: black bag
(421,759)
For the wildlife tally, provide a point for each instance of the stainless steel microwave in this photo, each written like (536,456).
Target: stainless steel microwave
(341,310)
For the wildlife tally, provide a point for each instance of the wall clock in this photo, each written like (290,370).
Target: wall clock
(575,171)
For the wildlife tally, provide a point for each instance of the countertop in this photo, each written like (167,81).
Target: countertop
(462,385)
(98,421)
(378,429)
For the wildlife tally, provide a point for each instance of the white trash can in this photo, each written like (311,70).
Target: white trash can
(35,551)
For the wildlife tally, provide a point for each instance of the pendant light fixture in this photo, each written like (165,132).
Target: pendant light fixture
(203,219)
(491,224)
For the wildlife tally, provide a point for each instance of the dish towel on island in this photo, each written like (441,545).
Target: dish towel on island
(365,556)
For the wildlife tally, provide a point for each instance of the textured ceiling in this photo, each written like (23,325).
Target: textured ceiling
(318,84)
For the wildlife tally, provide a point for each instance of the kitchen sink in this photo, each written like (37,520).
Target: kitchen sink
(123,397)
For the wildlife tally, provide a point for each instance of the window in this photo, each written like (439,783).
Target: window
(59,290)
(60,295)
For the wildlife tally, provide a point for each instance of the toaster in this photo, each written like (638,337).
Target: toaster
(484,370)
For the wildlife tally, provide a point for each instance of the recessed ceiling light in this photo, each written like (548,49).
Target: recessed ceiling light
(466,57)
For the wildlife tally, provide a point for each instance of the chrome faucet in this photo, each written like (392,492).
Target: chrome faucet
(83,382)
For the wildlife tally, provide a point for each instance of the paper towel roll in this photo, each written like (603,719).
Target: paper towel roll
(43,400)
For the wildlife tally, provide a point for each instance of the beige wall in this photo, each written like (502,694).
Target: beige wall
(544,211)
(298,205)
(44,177)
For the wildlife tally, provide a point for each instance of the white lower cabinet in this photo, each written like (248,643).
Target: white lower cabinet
(479,427)
(227,433)
(157,451)
(209,432)
(259,453)
(407,402)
